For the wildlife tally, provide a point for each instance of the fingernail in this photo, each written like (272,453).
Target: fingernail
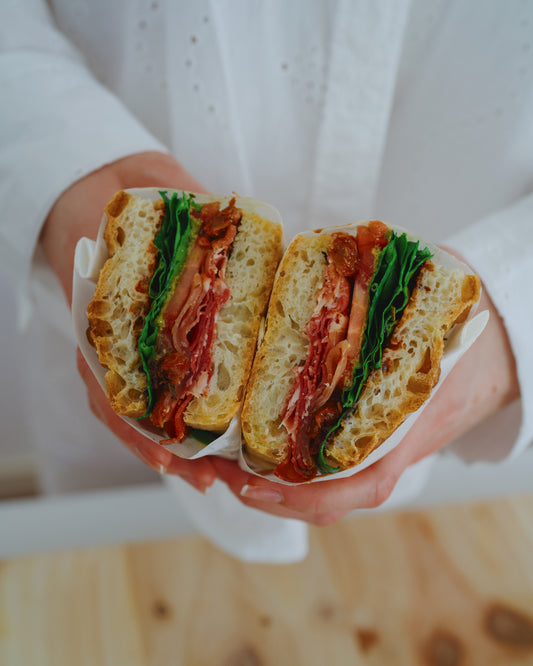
(261,494)
(162,469)
(194,483)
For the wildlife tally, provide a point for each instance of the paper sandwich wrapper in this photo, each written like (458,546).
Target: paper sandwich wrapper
(252,535)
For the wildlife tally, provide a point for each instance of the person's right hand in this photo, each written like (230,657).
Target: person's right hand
(78,213)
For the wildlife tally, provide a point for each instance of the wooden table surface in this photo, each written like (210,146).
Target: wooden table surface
(450,586)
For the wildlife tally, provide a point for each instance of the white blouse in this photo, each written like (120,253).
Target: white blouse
(419,113)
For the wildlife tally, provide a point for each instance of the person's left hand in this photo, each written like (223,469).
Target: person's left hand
(482,381)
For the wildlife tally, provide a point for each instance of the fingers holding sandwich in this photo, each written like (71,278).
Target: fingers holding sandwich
(320,504)
(77,213)
(199,473)
(354,336)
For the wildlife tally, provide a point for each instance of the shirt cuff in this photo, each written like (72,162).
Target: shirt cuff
(59,125)
(499,249)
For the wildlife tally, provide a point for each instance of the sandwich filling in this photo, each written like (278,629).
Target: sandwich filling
(188,289)
(367,283)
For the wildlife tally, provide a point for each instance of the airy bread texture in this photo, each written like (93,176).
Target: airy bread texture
(250,272)
(120,303)
(117,312)
(284,346)
(410,364)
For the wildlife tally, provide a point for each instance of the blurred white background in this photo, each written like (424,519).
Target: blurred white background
(16,450)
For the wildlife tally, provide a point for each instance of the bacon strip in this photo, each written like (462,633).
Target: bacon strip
(189,321)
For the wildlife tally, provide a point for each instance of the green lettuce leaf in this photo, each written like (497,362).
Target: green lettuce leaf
(173,241)
(389,292)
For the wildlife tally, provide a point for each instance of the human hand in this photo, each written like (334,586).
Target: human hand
(77,213)
(199,473)
(483,381)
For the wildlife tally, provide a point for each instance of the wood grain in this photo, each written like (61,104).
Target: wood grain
(451,586)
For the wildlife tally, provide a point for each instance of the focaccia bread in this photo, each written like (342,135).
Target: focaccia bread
(210,314)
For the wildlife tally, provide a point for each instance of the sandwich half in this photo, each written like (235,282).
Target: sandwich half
(179,303)
(354,337)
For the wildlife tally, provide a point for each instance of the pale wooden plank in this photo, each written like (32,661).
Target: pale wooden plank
(450,585)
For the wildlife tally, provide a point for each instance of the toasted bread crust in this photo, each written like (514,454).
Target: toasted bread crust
(120,303)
